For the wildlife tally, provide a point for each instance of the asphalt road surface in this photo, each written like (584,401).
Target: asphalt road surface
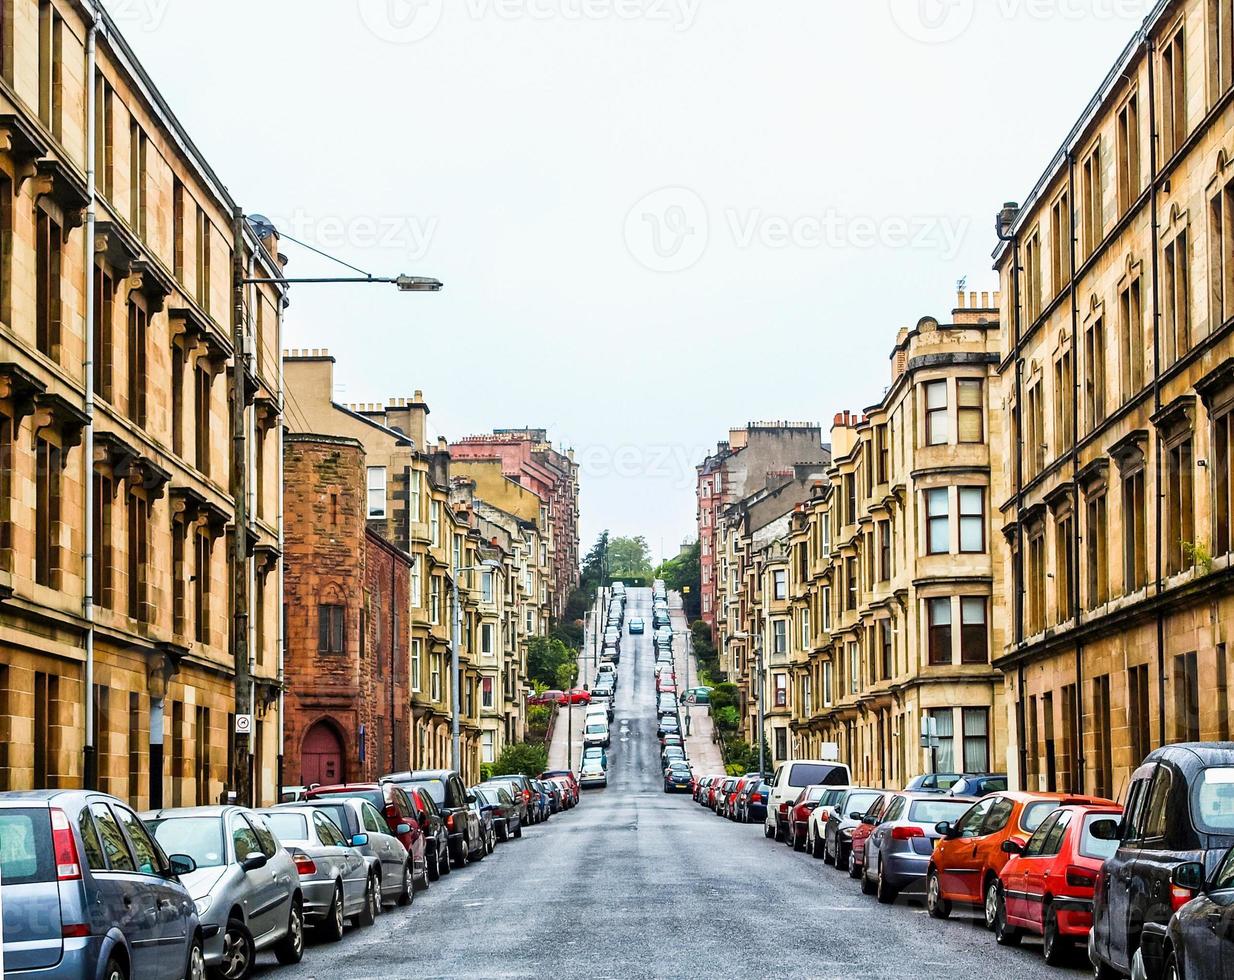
(636,883)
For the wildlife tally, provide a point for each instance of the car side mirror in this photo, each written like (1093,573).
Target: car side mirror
(943,828)
(471,797)
(1189,876)
(182,864)
(1012,846)
(359,840)
(403,828)
(253,861)
(869,821)
(856,815)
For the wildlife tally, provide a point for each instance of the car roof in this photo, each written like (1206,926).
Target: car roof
(215,810)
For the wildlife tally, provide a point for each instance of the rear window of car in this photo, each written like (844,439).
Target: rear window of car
(1094,847)
(374,796)
(337,813)
(25,846)
(1212,800)
(1035,813)
(860,800)
(831,797)
(947,781)
(436,789)
(288,826)
(935,811)
(808,773)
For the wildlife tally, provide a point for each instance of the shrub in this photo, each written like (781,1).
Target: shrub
(724,695)
(523,759)
(725,718)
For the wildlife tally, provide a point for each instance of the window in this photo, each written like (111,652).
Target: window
(456,551)
(1064,566)
(1135,551)
(1034,435)
(779,636)
(487,752)
(51,67)
(781,690)
(1060,235)
(104,347)
(1102,723)
(825,526)
(104,134)
(1031,260)
(780,580)
(7,464)
(884,551)
(1138,718)
(201,754)
(140,608)
(1131,339)
(138,151)
(330,638)
(1091,200)
(114,847)
(434,600)
(376,491)
(972,519)
(1097,570)
(1128,153)
(486,639)
(434,524)
(1186,698)
(1064,392)
(416,652)
(939,626)
(1220,48)
(827,683)
(486,692)
(1036,579)
(49,463)
(1176,301)
(417,584)
(435,679)
(938,529)
(969,408)
(49,247)
(46,727)
(201,393)
(138,346)
(974,637)
(807,696)
(944,753)
(854,668)
(850,580)
(1173,95)
(825,603)
(486,586)
(936,413)
(204,230)
(1221,254)
(976,739)
(1094,375)
(885,632)
(104,548)
(805,629)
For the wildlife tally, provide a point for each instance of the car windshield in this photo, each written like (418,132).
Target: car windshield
(1212,800)
(988,784)
(287,826)
(934,811)
(802,774)
(597,729)
(201,838)
(26,854)
(1096,847)
(436,788)
(592,765)
(860,801)
(1035,813)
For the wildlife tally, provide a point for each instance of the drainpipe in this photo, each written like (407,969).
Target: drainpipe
(90,765)
(250,434)
(282,638)
(1077,727)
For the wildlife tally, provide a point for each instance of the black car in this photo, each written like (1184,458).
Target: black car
(466,839)
(678,778)
(1200,938)
(1179,813)
(433,826)
(521,794)
(496,800)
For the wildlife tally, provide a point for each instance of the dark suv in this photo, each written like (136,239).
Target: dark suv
(1180,810)
(446,788)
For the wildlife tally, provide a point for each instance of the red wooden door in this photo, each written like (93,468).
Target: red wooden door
(321,757)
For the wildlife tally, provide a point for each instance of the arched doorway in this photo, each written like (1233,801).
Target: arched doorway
(321,755)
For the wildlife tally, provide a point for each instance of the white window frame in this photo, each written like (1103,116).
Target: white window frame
(375,483)
(416,649)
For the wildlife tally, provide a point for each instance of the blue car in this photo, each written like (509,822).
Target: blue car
(636,625)
(88,892)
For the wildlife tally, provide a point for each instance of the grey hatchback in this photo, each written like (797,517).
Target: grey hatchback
(89,893)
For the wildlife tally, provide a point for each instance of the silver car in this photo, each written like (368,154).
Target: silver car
(338,882)
(245,884)
(593,773)
(899,849)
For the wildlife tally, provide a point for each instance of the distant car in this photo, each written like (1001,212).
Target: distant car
(507,813)
(845,817)
(799,816)
(241,868)
(521,791)
(636,625)
(898,850)
(754,806)
(677,777)
(933,782)
(668,725)
(399,813)
(832,795)
(593,773)
(448,792)
(486,818)
(337,881)
(565,774)
(672,753)
(978,784)
(433,826)
(1047,885)
(73,861)
(541,803)
(698,695)
(596,752)
(791,778)
(546,697)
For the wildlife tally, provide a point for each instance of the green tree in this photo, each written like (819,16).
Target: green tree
(683,575)
(566,675)
(724,695)
(629,558)
(522,759)
(545,654)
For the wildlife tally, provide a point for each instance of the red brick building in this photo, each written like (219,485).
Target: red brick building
(346,594)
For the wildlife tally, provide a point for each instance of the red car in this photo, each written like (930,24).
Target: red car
(566,774)
(575,696)
(401,815)
(862,832)
(1046,887)
(798,816)
(547,697)
(666,681)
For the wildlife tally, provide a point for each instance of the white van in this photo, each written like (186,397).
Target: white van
(595,730)
(790,779)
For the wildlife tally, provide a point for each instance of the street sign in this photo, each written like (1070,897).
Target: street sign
(244,724)
(830,752)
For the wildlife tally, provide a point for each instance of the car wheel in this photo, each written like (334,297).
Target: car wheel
(868,886)
(290,949)
(115,971)
(936,904)
(197,963)
(443,860)
(407,895)
(372,904)
(518,831)
(1172,971)
(434,865)
(855,870)
(815,847)
(828,857)
(331,928)
(492,842)
(884,892)
(1055,948)
(238,951)
(459,858)
(990,907)
(1004,933)
(768,832)
(843,858)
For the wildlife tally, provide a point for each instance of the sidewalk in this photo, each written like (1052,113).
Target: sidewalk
(704,753)
(570,720)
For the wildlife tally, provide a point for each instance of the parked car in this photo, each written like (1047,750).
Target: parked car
(433,826)
(677,777)
(355,816)
(754,804)
(462,823)
(520,790)
(575,695)
(966,862)
(978,784)
(486,819)
(400,815)
(73,866)
(698,695)
(593,773)
(507,813)
(932,782)
(245,886)
(668,725)
(1046,887)
(791,778)
(596,732)
(898,850)
(720,794)
(546,697)
(565,774)
(336,880)
(846,816)
(542,806)
(1200,939)
(799,816)
(670,754)
(1179,811)
(861,833)
(832,795)
(636,625)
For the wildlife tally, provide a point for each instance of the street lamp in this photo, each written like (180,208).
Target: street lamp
(456,754)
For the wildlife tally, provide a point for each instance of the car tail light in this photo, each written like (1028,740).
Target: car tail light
(784,808)
(64,845)
(756,797)
(906,832)
(1179,896)
(450,821)
(825,812)
(1081,878)
(77,930)
(305,865)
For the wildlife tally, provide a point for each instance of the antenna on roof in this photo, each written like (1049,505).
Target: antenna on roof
(961,285)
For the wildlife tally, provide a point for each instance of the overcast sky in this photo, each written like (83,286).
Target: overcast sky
(655,219)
